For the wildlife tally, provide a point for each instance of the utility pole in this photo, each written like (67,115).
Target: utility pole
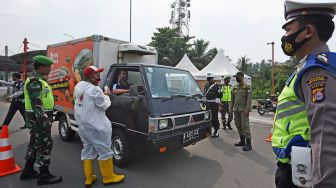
(130,21)
(272,66)
(25,58)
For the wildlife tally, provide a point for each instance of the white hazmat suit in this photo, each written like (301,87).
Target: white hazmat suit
(94,128)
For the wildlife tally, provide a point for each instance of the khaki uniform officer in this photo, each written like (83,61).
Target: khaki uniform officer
(241,105)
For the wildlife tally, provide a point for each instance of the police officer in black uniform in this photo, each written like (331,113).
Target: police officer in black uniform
(16,97)
(212,94)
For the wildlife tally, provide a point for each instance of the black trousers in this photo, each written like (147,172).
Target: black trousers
(214,114)
(283,176)
(13,108)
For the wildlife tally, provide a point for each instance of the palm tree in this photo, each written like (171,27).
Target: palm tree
(199,55)
(242,63)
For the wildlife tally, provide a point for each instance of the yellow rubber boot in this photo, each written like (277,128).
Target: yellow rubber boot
(90,178)
(106,170)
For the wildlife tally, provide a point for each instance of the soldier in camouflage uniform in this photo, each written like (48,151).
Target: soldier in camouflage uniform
(39,104)
(241,105)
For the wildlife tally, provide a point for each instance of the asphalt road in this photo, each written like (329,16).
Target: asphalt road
(213,162)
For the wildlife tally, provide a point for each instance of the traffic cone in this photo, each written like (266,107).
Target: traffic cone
(269,138)
(7,162)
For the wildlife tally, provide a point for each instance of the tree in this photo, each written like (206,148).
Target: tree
(170,46)
(199,55)
(242,63)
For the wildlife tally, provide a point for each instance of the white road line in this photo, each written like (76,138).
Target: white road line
(261,120)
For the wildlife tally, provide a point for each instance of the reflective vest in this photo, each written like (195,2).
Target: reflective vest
(226,90)
(46,96)
(291,126)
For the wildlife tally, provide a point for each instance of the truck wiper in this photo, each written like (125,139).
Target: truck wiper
(194,96)
(173,97)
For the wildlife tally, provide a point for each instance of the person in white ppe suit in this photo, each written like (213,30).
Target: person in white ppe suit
(94,128)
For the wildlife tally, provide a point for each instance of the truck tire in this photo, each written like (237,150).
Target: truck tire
(64,130)
(122,155)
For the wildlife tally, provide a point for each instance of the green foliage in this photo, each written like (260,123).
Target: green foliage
(171,47)
(261,74)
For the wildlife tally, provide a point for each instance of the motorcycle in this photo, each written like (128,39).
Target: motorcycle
(267,105)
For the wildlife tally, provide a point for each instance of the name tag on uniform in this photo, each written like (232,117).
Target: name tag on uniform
(301,162)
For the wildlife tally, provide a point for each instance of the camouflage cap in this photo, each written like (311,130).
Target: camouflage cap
(44,60)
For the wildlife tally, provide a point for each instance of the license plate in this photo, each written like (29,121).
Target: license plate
(190,135)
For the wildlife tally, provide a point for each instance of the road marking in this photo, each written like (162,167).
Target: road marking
(261,120)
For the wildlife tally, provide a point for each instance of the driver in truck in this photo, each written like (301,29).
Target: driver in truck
(122,85)
(90,105)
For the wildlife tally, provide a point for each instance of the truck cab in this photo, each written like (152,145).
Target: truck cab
(164,110)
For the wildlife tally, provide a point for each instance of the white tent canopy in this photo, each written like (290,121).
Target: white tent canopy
(220,67)
(186,64)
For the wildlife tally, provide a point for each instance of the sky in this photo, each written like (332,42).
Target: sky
(240,27)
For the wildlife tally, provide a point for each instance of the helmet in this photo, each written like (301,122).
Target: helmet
(210,75)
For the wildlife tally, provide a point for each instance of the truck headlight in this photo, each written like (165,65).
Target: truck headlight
(163,124)
(207,115)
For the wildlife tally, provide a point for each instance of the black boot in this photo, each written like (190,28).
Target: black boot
(215,134)
(241,142)
(46,177)
(28,172)
(224,125)
(229,125)
(248,145)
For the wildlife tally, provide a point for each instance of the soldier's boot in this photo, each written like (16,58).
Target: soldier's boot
(46,177)
(215,134)
(241,142)
(106,170)
(90,178)
(248,145)
(224,125)
(28,171)
(229,125)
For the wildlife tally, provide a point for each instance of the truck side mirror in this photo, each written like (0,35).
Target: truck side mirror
(133,90)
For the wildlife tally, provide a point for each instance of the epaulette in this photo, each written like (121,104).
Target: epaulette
(322,58)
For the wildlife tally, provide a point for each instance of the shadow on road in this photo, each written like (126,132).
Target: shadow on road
(227,148)
(166,165)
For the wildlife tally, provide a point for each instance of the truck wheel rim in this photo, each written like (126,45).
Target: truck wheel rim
(63,128)
(117,148)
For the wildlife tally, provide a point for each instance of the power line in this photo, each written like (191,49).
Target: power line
(20,48)
(36,45)
(11,51)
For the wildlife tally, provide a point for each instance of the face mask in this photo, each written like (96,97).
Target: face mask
(209,79)
(238,79)
(124,78)
(288,44)
(96,80)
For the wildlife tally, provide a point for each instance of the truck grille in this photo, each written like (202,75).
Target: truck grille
(198,117)
(181,120)
(185,120)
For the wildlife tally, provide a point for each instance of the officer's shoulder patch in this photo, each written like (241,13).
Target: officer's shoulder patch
(316,79)
(318,93)
(34,85)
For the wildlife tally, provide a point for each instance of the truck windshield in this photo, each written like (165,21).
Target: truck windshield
(167,83)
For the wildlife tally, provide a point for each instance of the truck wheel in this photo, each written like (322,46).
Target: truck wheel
(64,129)
(121,152)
